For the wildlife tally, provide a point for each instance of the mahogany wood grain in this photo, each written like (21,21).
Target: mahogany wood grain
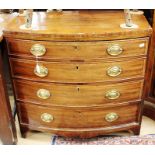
(78,72)
(78,26)
(93,132)
(77,95)
(76,58)
(78,50)
(149,107)
(7,126)
(150,69)
(149,110)
(76,118)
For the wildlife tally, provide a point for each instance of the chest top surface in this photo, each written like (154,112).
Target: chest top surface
(78,26)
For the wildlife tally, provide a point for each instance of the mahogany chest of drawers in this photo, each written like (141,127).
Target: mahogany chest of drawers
(78,73)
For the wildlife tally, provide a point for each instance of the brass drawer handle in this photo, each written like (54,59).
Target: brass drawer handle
(40,70)
(112,94)
(38,50)
(45,117)
(114,50)
(43,94)
(110,117)
(114,71)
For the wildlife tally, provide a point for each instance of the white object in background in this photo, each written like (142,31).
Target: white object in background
(134,26)
(128,21)
(1,20)
(52,10)
(136,12)
(28,18)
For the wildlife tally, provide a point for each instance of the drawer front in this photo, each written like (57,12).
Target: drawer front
(77,95)
(78,50)
(40,116)
(77,72)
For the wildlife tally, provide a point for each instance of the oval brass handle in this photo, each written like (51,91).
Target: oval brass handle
(45,117)
(40,70)
(114,71)
(110,117)
(43,94)
(112,94)
(38,50)
(114,50)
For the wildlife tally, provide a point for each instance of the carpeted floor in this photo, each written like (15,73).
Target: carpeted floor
(106,140)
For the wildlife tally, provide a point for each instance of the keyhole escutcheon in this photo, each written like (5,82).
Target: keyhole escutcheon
(78,89)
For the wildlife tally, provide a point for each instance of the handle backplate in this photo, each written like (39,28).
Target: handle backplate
(110,117)
(43,94)
(114,71)
(38,50)
(112,94)
(40,70)
(45,117)
(114,50)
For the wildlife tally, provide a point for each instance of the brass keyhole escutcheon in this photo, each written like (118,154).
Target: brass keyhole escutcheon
(78,89)
(77,67)
(76,47)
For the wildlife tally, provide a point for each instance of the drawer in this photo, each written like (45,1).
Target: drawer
(78,50)
(77,72)
(45,117)
(77,95)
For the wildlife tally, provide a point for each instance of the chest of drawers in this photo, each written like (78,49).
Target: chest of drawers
(78,73)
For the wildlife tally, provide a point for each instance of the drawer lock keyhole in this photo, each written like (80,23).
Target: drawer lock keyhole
(78,89)
(76,48)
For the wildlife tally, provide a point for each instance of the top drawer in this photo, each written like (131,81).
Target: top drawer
(78,50)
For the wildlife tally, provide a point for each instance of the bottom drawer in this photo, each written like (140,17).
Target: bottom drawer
(76,118)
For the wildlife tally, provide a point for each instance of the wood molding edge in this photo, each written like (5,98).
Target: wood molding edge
(149,110)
